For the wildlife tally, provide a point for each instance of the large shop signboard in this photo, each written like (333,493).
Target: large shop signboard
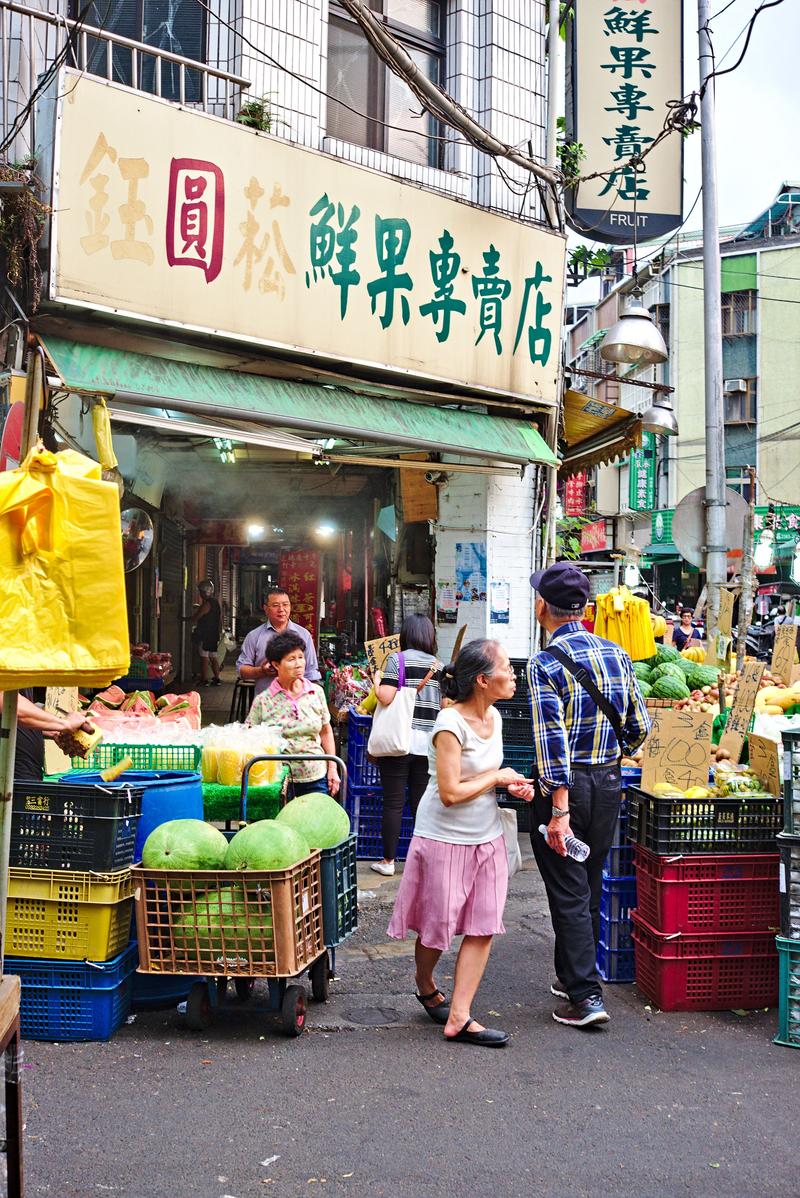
(625,65)
(175,216)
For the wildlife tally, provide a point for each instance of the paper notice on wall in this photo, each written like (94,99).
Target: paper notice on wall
(446,605)
(500,608)
(473,616)
(471,571)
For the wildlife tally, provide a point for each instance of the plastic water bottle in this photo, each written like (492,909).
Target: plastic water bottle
(575,848)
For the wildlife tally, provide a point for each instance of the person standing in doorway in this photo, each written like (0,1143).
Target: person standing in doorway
(421,670)
(253,664)
(206,632)
(686,632)
(587,711)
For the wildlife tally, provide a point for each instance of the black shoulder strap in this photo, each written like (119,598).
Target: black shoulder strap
(584,679)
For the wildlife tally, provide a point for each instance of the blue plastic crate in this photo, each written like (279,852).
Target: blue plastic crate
(339,876)
(616,965)
(74,1000)
(617,898)
(369,830)
(360,770)
(159,991)
(619,862)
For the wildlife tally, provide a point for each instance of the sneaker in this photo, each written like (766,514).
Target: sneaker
(383,867)
(558,990)
(216,681)
(582,1014)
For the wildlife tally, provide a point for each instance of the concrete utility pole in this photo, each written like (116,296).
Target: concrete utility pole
(715,546)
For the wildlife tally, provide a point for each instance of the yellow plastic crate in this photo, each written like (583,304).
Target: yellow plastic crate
(68,915)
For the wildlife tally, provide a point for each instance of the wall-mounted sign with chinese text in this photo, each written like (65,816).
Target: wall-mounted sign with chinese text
(593,537)
(642,476)
(624,66)
(174,216)
(575,494)
(299,573)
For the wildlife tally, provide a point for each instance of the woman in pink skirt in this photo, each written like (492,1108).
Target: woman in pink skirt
(456,875)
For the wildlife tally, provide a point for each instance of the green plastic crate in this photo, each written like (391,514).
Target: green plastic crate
(144,757)
(788,992)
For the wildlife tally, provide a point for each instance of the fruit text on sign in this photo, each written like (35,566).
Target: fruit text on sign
(783,652)
(764,763)
(733,737)
(677,749)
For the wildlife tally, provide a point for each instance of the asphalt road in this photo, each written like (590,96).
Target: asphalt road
(371,1101)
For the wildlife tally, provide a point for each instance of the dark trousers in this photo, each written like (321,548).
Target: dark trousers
(573,887)
(397,773)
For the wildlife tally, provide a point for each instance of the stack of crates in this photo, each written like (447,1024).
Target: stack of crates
(789,940)
(517,740)
(70,898)
(364,802)
(615,961)
(707,900)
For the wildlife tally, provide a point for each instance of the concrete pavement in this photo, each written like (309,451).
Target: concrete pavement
(372,1102)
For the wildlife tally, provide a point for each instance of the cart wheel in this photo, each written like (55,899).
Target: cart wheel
(293,1011)
(198,1007)
(244,988)
(320,976)
(222,990)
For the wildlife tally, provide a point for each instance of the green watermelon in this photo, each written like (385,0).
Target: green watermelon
(319,819)
(669,667)
(221,921)
(700,676)
(642,671)
(266,844)
(669,686)
(184,844)
(645,688)
(666,653)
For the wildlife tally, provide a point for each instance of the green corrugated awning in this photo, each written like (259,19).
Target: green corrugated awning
(660,551)
(322,411)
(591,341)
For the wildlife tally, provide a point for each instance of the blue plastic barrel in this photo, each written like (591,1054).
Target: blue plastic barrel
(168,794)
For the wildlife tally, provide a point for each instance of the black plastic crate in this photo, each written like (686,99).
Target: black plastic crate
(735,824)
(517,728)
(789,848)
(78,827)
(338,874)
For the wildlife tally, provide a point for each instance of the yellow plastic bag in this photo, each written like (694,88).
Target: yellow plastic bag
(63,619)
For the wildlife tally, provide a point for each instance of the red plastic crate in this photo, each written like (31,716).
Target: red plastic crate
(721,893)
(707,972)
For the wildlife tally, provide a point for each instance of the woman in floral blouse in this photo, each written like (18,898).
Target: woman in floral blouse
(299,709)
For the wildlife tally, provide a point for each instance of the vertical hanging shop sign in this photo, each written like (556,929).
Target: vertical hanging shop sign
(575,494)
(624,66)
(642,476)
(299,573)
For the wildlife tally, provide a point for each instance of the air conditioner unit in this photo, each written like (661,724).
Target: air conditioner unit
(734,386)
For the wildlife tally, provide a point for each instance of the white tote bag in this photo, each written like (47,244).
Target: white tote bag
(391,726)
(508,818)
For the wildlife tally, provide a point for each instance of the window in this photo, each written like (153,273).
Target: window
(738,479)
(739,309)
(387,116)
(740,406)
(178,26)
(660,315)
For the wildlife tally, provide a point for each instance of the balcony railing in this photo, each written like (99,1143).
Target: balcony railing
(33,40)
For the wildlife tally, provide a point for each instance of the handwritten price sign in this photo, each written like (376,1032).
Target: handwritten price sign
(733,737)
(677,749)
(378,650)
(764,763)
(783,652)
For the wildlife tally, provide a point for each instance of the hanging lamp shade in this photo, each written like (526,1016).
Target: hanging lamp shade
(634,340)
(660,418)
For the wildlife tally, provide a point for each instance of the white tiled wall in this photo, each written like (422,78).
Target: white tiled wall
(494,68)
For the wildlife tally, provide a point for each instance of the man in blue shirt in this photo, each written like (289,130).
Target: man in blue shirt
(252,664)
(587,710)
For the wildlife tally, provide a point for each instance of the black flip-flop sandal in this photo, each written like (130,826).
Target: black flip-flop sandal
(441,1012)
(490,1037)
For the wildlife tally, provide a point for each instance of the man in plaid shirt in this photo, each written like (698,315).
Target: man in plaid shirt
(587,710)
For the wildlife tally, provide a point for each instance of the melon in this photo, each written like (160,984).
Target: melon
(319,818)
(266,844)
(184,844)
(221,921)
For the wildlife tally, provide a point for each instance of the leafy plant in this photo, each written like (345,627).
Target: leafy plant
(22,220)
(568,536)
(570,154)
(257,114)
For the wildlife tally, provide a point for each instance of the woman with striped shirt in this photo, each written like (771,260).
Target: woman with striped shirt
(419,664)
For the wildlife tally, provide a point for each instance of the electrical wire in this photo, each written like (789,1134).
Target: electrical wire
(716,73)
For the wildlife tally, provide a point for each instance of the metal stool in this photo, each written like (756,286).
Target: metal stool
(241,701)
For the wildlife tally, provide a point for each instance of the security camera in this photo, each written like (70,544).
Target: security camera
(436,478)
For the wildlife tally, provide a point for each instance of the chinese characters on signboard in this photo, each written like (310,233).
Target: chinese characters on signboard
(166,214)
(299,575)
(624,67)
(575,494)
(593,537)
(642,476)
